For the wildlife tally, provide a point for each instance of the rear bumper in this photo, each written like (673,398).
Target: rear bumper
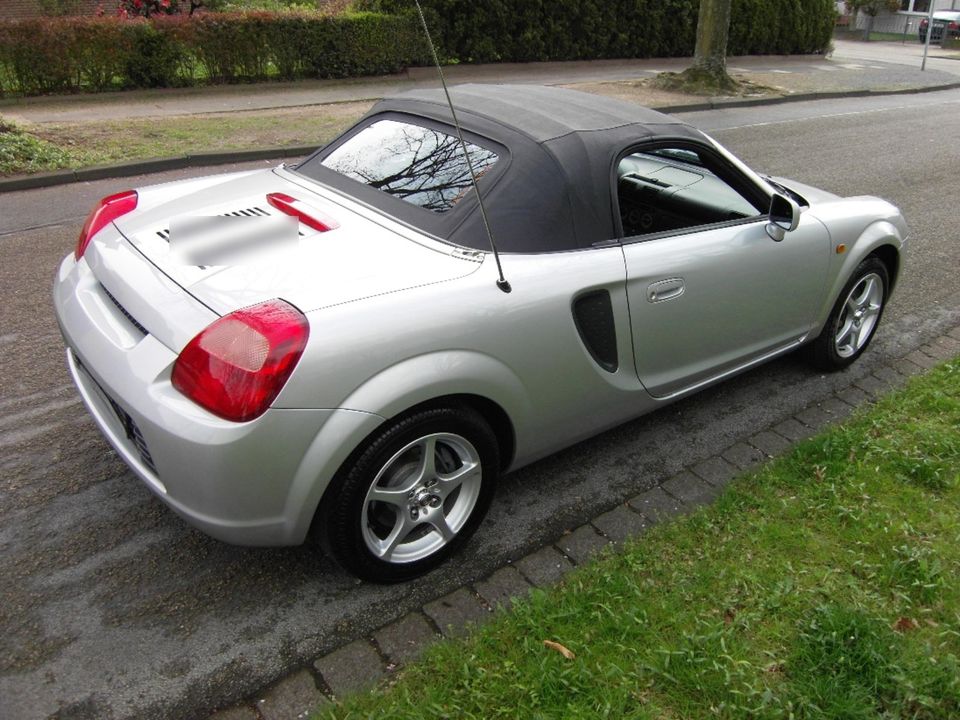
(253,483)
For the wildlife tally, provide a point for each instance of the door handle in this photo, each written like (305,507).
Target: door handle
(665,290)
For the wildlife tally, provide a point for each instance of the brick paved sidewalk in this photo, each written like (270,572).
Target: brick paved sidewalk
(366,661)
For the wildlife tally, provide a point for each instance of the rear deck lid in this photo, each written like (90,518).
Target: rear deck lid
(363,254)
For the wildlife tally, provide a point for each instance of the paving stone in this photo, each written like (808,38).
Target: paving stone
(873,386)
(544,567)
(690,489)
(853,396)
(237,712)
(743,456)
(655,504)
(907,367)
(814,417)
(922,359)
(837,408)
(502,587)
(770,443)
(621,523)
(454,613)
(582,544)
(948,343)
(715,471)
(404,640)
(938,352)
(295,697)
(350,669)
(793,429)
(889,375)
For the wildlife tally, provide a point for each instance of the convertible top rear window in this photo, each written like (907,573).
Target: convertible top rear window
(423,166)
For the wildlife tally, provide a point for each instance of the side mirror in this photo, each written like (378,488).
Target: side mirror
(784,216)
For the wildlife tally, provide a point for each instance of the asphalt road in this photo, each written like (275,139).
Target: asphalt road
(111,607)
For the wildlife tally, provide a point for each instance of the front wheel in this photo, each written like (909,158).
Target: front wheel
(854,319)
(414,495)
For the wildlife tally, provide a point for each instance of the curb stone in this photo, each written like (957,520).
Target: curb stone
(363,662)
(211,159)
(143,167)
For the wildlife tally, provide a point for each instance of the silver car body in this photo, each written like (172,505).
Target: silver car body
(399,318)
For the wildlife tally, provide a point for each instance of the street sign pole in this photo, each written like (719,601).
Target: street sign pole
(926,44)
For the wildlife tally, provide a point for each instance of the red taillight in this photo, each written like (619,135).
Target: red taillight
(953,26)
(105,212)
(311,217)
(237,366)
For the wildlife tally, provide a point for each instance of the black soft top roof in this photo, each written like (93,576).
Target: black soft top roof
(553,189)
(541,113)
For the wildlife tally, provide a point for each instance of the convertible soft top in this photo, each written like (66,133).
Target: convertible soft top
(554,190)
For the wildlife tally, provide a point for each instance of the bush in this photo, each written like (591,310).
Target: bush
(38,55)
(70,54)
(157,53)
(781,27)
(102,48)
(528,30)
(365,44)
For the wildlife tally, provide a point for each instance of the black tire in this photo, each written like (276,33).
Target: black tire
(827,352)
(440,514)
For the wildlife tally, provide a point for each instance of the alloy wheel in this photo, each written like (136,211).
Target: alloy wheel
(860,314)
(421,498)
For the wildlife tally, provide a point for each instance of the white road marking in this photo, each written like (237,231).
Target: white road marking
(831,115)
(783,72)
(825,68)
(851,66)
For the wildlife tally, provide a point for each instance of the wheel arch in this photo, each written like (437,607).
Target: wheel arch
(456,379)
(492,413)
(889,255)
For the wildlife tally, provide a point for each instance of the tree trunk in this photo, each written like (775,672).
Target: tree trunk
(708,74)
(713,29)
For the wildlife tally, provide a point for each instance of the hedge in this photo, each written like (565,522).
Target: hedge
(48,55)
(68,54)
(528,30)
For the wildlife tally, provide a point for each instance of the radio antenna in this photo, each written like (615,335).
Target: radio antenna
(502,281)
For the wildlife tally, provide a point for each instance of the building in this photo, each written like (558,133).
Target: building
(907,18)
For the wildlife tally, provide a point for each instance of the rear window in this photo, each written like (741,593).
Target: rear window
(422,166)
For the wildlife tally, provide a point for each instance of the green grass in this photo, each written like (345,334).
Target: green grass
(52,146)
(896,37)
(22,152)
(824,586)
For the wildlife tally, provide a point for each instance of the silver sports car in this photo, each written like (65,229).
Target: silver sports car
(328,350)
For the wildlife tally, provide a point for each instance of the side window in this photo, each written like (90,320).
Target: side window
(670,188)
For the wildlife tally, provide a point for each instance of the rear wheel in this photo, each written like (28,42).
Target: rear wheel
(854,319)
(414,495)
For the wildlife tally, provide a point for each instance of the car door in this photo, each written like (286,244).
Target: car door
(709,290)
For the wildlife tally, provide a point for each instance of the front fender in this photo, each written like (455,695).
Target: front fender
(880,233)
